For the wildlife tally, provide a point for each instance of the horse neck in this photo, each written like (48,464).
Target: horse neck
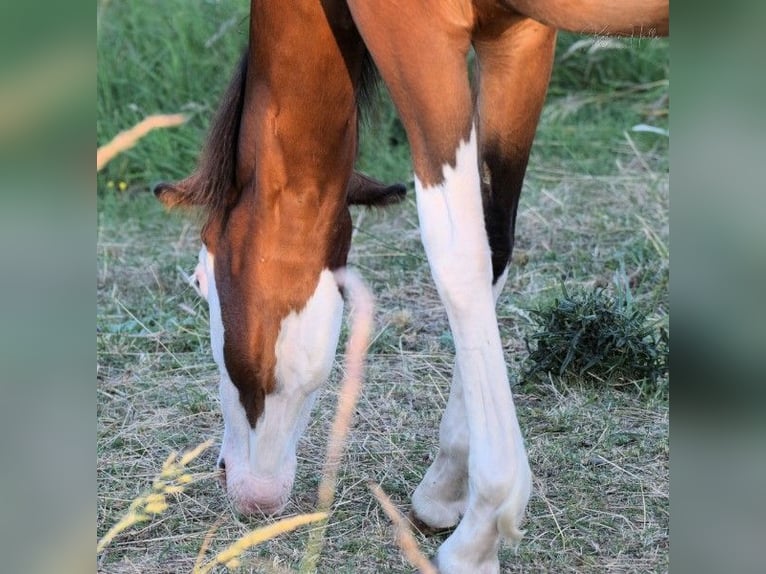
(298,129)
(296,140)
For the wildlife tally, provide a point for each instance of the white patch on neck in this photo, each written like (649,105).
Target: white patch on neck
(305,348)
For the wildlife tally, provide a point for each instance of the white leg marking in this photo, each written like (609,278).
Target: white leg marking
(499,479)
(441,497)
(261,462)
(497,288)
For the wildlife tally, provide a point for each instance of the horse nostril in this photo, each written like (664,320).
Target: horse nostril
(222,464)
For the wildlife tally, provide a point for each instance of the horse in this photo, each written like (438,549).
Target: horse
(276,177)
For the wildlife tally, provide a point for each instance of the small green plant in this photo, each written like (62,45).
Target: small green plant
(594,334)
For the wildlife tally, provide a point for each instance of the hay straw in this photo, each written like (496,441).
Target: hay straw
(128,138)
(206,544)
(230,556)
(362,305)
(404,538)
(171,480)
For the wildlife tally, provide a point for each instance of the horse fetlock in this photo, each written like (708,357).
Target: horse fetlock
(510,513)
(436,511)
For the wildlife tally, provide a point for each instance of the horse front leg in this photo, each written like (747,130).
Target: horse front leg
(483,473)
(499,479)
(441,497)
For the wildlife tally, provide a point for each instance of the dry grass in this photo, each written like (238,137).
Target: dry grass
(403,530)
(599,455)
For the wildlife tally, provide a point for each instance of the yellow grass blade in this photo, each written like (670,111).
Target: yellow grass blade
(206,544)
(128,138)
(230,555)
(153,502)
(404,538)
(362,305)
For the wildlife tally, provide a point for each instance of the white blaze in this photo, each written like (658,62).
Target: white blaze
(260,462)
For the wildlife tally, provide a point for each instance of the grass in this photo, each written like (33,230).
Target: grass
(593,216)
(591,334)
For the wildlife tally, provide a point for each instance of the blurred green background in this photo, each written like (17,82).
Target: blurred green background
(177,56)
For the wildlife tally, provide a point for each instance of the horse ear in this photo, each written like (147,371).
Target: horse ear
(363,190)
(178,193)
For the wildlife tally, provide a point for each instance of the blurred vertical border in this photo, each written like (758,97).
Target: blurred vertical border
(47,290)
(718,285)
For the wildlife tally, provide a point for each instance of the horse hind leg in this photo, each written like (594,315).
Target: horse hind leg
(514,71)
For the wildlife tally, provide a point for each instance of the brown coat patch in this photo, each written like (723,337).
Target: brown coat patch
(285,219)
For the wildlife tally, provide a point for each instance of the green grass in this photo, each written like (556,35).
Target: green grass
(593,215)
(152,58)
(589,334)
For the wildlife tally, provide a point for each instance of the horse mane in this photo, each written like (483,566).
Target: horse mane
(216,173)
(367,90)
(213,183)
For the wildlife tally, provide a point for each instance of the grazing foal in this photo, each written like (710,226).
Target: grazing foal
(276,178)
